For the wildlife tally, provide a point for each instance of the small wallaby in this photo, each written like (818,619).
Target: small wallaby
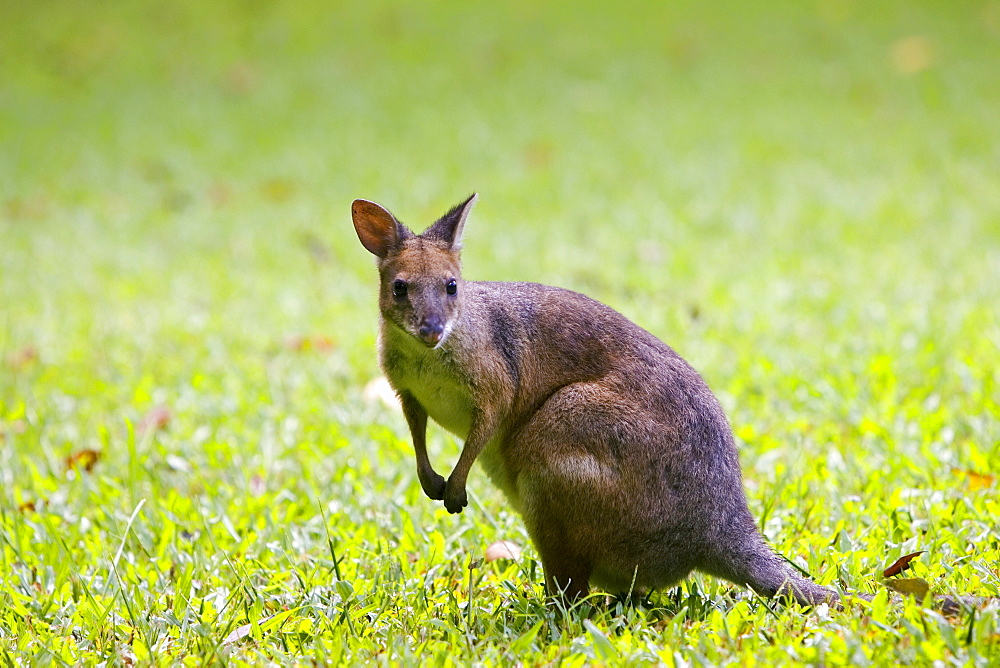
(611,447)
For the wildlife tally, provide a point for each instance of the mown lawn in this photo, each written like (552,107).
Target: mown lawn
(195,465)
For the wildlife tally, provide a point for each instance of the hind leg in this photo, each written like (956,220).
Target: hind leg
(573,474)
(567,573)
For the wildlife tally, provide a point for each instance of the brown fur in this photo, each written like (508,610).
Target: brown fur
(610,446)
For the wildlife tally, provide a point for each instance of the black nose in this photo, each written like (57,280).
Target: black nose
(430,332)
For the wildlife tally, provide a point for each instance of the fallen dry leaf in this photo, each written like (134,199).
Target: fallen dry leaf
(22,358)
(901,564)
(539,154)
(155,419)
(32,208)
(318,343)
(503,549)
(240,79)
(15,427)
(277,190)
(916,587)
(219,194)
(84,459)
(239,633)
(974,479)
(912,55)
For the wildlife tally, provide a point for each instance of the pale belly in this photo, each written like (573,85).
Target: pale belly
(449,408)
(452,409)
(446,401)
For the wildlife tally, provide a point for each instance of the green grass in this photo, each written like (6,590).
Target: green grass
(801,198)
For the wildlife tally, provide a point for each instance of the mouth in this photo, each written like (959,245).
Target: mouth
(430,336)
(435,338)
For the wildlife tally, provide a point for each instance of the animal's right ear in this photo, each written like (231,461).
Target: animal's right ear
(378,230)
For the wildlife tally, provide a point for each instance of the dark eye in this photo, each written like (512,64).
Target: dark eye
(452,287)
(399,288)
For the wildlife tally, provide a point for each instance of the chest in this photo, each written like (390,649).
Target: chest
(431,377)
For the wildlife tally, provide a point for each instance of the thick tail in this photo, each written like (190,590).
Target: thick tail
(758,567)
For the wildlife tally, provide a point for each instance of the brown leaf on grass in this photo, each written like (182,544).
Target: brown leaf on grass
(277,189)
(240,79)
(219,194)
(84,459)
(912,55)
(539,154)
(916,587)
(22,358)
(322,343)
(503,549)
(15,427)
(31,208)
(239,633)
(901,564)
(317,343)
(156,419)
(974,479)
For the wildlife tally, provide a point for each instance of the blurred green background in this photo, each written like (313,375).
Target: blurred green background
(803,198)
(761,126)
(822,172)
(798,196)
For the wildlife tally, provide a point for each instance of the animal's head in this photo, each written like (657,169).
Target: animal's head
(421,283)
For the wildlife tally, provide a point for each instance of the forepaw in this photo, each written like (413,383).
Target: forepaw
(433,486)
(455,497)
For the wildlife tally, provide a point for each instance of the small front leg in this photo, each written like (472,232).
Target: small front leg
(455,496)
(483,429)
(430,480)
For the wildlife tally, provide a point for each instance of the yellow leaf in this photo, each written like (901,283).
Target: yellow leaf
(917,587)
(911,55)
(84,459)
(975,480)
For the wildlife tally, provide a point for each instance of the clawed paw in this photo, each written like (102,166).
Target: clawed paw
(455,498)
(433,486)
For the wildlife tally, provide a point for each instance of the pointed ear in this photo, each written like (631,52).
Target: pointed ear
(378,230)
(449,227)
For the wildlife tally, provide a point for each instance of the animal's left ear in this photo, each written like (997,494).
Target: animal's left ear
(449,227)
(378,230)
